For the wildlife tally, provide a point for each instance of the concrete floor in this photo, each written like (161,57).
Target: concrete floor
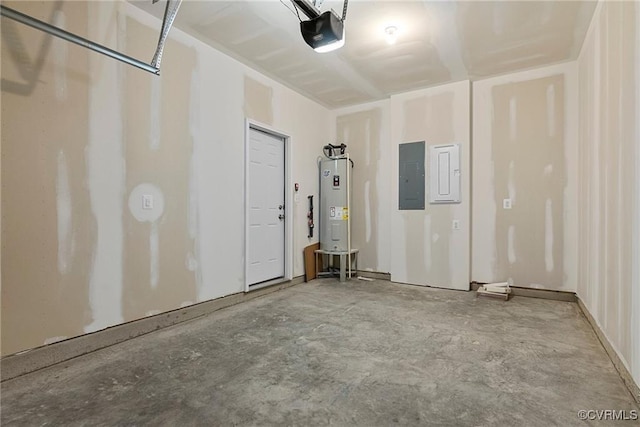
(361,353)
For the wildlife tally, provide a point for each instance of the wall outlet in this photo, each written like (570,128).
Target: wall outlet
(455,225)
(147,201)
(506,204)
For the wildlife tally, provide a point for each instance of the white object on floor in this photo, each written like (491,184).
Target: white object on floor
(500,290)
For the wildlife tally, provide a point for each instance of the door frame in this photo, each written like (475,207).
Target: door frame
(288,204)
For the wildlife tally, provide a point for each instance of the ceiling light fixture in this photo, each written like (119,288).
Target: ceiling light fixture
(391,34)
(323,32)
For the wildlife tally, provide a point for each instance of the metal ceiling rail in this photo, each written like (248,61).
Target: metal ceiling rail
(55,31)
(307,8)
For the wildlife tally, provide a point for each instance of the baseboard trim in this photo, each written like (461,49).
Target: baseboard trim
(624,373)
(22,363)
(535,293)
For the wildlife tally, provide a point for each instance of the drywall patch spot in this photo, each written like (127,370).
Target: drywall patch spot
(548,170)
(186,304)
(152,313)
(258,99)
(192,262)
(138,210)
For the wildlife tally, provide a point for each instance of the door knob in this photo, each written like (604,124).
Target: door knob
(280,217)
(281,207)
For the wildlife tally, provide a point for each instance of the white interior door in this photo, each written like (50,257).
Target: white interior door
(266,216)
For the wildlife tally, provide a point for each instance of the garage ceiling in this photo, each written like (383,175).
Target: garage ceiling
(438,42)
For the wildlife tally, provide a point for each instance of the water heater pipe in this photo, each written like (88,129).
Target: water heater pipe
(349,214)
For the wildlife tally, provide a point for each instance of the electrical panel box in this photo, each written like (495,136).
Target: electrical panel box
(334,211)
(411,176)
(444,173)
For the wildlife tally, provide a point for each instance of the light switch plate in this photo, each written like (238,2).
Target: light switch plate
(506,204)
(455,225)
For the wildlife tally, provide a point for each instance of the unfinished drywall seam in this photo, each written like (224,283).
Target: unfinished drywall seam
(204,289)
(106,175)
(367,211)
(551,111)
(571,208)
(151,212)
(193,259)
(511,238)
(64,214)
(548,236)
(511,183)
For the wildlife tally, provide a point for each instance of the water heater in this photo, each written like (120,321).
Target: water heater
(335,193)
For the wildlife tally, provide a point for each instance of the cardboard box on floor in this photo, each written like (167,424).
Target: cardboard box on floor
(310,262)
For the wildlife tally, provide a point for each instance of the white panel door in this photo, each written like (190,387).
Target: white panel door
(444,176)
(266,226)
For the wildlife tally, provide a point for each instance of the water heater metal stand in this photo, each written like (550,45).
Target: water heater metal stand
(348,262)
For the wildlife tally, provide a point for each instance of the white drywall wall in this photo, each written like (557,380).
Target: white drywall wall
(525,150)
(425,250)
(609,198)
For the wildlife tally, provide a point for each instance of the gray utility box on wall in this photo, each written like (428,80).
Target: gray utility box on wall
(411,176)
(334,208)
